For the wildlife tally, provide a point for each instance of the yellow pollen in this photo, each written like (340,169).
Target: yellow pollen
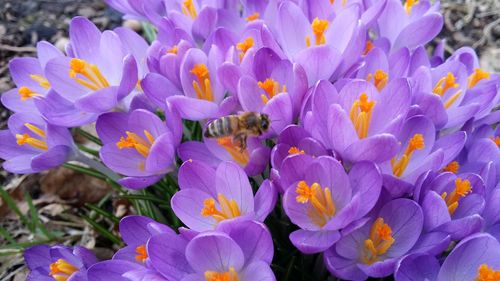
(188,9)
(272,88)
(230,275)
(380,79)
(141,252)
(173,50)
(138,143)
(477,76)
(26,93)
(253,17)
(241,157)
(295,150)
(318,28)
(452,167)
(44,83)
(34,142)
(361,115)
(61,270)
(486,273)
(368,47)
(462,188)
(409,4)
(203,86)
(415,143)
(244,46)
(378,243)
(321,207)
(449,102)
(444,84)
(228,208)
(94,80)
(496,140)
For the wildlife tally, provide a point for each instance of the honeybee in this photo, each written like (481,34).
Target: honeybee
(239,127)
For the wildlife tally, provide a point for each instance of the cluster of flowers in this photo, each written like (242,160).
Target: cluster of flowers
(385,156)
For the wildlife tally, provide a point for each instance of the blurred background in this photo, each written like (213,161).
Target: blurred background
(59,199)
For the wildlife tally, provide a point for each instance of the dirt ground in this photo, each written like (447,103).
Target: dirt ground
(473,23)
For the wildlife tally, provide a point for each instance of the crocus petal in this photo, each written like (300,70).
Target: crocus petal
(193,109)
(417,267)
(85,38)
(196,150)
(461,228)
(99,101)
(111,270)
(111,126)
(257,271)
(432,243)
(232,182)
(37,256)
(129,77)
(338,121)
(366,183)
(265,200)
(158,88)
(420,31)
(52,158)
(220,252)
(311,242)
(167,255)
(187,205)
(139,182)
(343,268)
(19,164)
(314,60)
(435,211)
(196,174)
(377,148)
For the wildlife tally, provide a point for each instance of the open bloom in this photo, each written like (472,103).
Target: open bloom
(97,73)
(138,145)
(208,197)
(326,200)
(237,251)
(59,263)
(374,248)
(28,75)
(32,145)
(359,123)
(475,258)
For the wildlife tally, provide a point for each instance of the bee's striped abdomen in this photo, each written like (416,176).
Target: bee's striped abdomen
(219,128)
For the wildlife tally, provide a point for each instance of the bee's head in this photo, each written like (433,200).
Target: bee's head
(264,122)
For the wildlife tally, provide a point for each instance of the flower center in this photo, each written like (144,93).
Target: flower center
(452,167)
(188,9)
(343,2)
(462,188)
(415,143)
(44,83)
(253,16)
(61,270)
(486,273)
(203,86)
(496,140)
(477,76)
(318,28)
(272,88)
(173,50)
(443,85)
(87,75)
(368,47)
(244,46)
(142,255)
(228,208)
(378,243)
(241,157)
(26,93)
(361,114)
(34,142)
(380,79)
(321,208)
(230,275)
(295,150)
(140,144)
(409,4)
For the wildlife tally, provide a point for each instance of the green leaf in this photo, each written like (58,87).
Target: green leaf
(102,230)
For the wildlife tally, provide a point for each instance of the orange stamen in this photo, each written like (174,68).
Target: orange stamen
(142,254)
(462,188)
(378,243)
(318,27)
(253,17)
(361,115)
(272,88)
(241,157)
(228,208)
(477,76)
(321,207)
(415,143)
(202,87)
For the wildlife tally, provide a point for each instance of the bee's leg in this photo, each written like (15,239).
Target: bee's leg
(241,141)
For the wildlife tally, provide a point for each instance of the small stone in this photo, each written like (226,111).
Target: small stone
(86,12)
(135,25)
(496,31)
(61,43)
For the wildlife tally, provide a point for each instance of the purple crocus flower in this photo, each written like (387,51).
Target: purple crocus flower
(374,248)
(60,263)
(419,152)
(138,145)
(453,204)
(28,75)
(326,200)
(369,120)
(475,258)
(97,74)
(239,250)
(31,145)
(410,25)
(253,159)
(208,197)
